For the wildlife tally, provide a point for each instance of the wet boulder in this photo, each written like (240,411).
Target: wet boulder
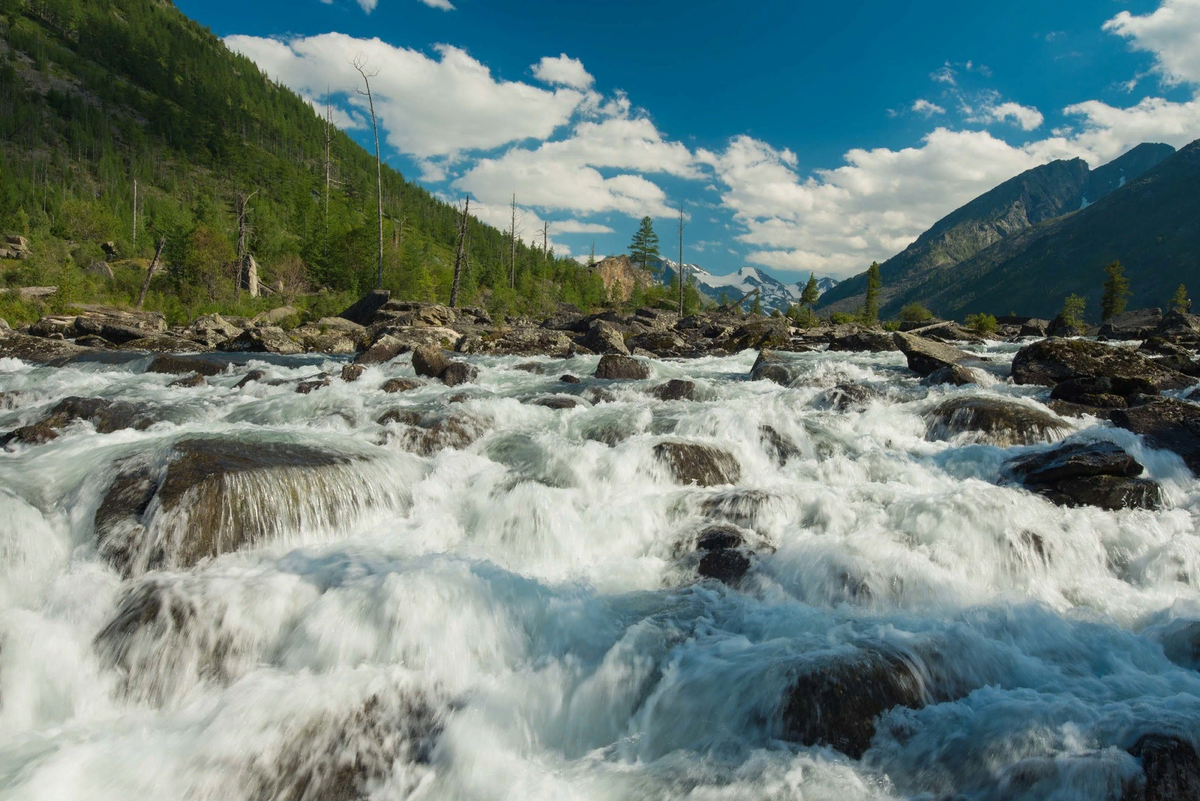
(846,397)
(429,361)
(1168,424)
(675,389)
(956,375)
(183,365)
(834,700)
(993,421)
(105,415)
(250,378)
(1098,474)
(363,311)
(454,432)
(726,565)
(352,372)
(703,465)
(312,385)
(771,366)
(779,447)
(214,496)
(36,434)
(925,356)
(264,339)
(188,382)
(1052,361)
(394,385)
(1102,392)
(457,373)
(1171,768)
(615,367)
(558,402)
(387,342)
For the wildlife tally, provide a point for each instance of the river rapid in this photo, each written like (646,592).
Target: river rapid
(509,607)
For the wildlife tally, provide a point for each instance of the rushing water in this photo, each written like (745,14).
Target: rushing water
(521,617)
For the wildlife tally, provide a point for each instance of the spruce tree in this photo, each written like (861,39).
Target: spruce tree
(870,310)
(644,246)
(1116,291)
(1179,301)
(811,293)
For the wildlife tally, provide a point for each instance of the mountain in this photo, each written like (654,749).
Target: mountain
(1151,224)
(775,294)
(1035,196)
(98,95)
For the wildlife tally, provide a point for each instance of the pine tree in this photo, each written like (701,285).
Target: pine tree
(1116,291)
(1072,311)
(1179,301)
(644,246)
(811,293)
(870,310)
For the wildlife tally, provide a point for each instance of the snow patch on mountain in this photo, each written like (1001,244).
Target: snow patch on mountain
(774,293)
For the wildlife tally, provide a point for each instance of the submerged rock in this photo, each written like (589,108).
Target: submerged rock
(36,434)
(835,700)
(105,415)
(394,385)
(215,496)
(955,375)
(704,465)
(777,446)
(994,421)
(846,397)
(182,365)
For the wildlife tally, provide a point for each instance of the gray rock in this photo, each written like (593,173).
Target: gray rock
(603,338)
(627,368)
(704,465)
(1054,360)
(457,373)
(1168,424)
(429,361)
(994,421)
(955,375)
(265,339)
(1136,324)
(675,389)
(926,356)
(770,366)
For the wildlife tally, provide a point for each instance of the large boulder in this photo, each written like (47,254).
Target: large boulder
(1180,328)
(675,389)
(993,421)
(703,465)
(835,700)
(603,338)
(1054,360)
(183,365)
(420,315)
(626,368)
(846,397)
(1102,392)
(365,308)
(866,341)
(211,330)
(957,375)
(429,361)
(387,342)
(660,342)
(105,415)
(521,341)
(1087,474)
(1171,767)
(1166,423)
(215,496)
(118,325)
(276,316)
(771,366)
(156,343)
(264,339)
(771,333)
(1136,324)
(926,356)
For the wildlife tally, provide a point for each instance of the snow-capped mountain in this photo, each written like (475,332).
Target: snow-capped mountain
(729,288)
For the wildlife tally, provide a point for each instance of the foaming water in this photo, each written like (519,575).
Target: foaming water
(468,593)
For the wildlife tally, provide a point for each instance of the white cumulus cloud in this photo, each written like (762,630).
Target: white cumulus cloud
(563,71)
(1171,33)
(927,109)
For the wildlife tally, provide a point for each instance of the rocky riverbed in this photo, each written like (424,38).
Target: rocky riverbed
(422,554)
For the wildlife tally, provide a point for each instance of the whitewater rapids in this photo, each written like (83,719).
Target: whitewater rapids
(522,618)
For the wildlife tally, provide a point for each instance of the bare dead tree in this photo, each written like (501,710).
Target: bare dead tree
(150,271)
(458,259)
(545,242)
(242,231)
(592,255)
(512,236)
(135,212)
(359,64)
(328,139)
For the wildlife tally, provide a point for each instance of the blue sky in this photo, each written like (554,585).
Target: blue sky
(800,137)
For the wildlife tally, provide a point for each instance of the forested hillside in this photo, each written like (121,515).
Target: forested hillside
(98,94)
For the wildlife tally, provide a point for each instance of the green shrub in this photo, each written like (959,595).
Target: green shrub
(915,313)
(841,318)
(982,324)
